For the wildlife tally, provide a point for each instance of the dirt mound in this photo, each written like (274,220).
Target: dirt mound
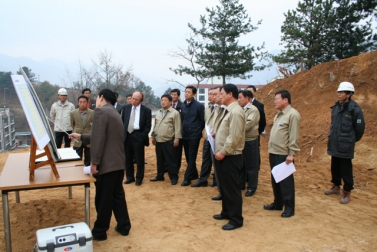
(314,92)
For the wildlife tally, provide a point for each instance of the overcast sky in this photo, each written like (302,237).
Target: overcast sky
(138,33)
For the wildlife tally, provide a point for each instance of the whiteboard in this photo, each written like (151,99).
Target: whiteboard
(32,114)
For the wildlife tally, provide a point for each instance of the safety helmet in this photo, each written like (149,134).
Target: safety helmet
(62,91)
(346,86)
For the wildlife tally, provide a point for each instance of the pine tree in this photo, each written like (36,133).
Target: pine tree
(352,32)
(324,30)
(220,54)
(304,32)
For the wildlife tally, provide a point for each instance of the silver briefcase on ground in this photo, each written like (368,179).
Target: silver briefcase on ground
(72,237)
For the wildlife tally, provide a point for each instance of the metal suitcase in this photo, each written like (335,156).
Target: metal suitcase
(71,237)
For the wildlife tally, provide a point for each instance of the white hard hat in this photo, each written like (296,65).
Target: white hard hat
(62,91)
(346,86)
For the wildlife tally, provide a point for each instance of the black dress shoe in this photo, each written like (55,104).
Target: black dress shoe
(121,232)
(129,181)
(157,179)
(220,217)
(218,197)
(287,214)
(249,193)
(200,184)
(213,184)
(100,237)
(272,207)
(186,183)
(230,227)
(173,182)
(138,183)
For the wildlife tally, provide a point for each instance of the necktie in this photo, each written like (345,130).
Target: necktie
(130,128)
(212,107)
(163,113)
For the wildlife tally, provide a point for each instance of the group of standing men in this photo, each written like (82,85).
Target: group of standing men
(235,124)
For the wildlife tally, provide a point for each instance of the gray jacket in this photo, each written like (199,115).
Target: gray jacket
(106,140)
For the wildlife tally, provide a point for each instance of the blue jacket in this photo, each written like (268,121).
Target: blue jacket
(347,127)
(192,116)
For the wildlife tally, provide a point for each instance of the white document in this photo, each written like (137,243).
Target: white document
(67,154)
(283,170)
(210,138)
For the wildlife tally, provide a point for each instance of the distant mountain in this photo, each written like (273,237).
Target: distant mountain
(52,70)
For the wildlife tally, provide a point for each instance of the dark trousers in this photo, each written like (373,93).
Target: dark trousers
(284,191)
(341,168)
(166,155)
(110,198)
(178,151)
(229,177)
(191,152)
(83,149)
(250,155)
(134,150)
(206,162)
(59,136)
(216,168)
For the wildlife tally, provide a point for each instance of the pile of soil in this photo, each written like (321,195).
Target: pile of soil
(175,218)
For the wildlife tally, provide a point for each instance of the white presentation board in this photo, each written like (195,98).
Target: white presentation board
(32,114)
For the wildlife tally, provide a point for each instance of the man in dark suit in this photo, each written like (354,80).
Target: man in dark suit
(137,124)
(117,105)
(108,160)
(192,115)
(177,105)
(205,170)
(176,102)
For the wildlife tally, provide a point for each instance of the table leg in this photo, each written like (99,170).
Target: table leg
(8,242)
(69,192)
(87,204)
(17,196)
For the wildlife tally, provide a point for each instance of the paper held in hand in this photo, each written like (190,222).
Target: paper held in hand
(87,170)
(283,170)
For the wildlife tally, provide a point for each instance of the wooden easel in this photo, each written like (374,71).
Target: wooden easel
(33,156)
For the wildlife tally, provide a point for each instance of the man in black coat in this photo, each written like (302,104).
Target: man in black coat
(192,115)
(137,124)
(347,127)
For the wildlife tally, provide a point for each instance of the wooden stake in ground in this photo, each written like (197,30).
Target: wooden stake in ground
(310,154)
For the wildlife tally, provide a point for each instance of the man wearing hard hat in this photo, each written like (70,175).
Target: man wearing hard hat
(347,127)
(60,115)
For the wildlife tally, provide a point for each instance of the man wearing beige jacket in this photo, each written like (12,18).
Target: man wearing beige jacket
(81,122)
(165,136)
(230,141)
(250,153)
